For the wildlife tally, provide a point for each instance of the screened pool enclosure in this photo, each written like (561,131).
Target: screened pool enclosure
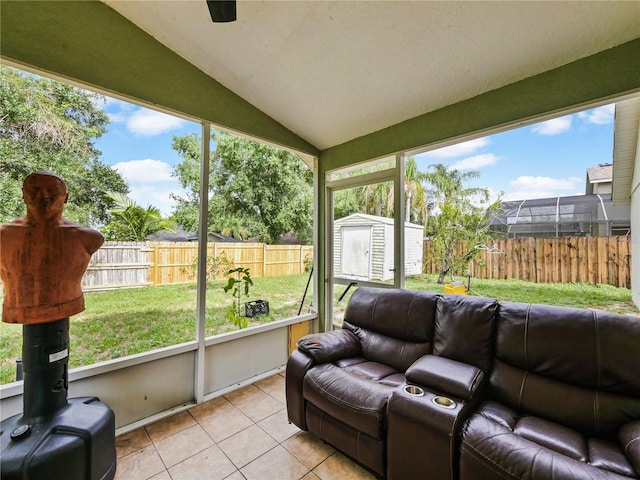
(574,216)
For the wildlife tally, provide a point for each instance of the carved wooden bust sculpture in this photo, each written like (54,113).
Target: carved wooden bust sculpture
(43,256)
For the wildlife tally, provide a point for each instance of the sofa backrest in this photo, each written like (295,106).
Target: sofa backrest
(578,367)
(464,329)
(394,326)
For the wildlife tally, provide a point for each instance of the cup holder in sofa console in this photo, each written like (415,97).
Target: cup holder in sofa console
(443,402)
(414,390)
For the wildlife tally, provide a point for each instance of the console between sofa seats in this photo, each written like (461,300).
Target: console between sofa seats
(424,416)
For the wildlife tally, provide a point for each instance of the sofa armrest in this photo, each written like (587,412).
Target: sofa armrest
(445,375)
(328,347)
(297,367)
(629,438)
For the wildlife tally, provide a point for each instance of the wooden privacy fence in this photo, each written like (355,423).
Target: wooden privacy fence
(131,264)
(118,265)
(592,260)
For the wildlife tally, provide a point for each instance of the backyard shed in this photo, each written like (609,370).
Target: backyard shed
(363,247)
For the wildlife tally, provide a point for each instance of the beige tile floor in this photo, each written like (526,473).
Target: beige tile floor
(242,435)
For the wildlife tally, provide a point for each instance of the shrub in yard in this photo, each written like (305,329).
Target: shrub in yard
(239,281)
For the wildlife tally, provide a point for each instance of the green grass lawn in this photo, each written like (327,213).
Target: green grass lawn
(128,321)
(582,295)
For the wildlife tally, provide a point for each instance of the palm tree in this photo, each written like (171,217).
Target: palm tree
(132,222)
(415,193)
(461,217)
(234,227)
(448,185)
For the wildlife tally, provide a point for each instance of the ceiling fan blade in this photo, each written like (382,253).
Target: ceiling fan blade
(222,10)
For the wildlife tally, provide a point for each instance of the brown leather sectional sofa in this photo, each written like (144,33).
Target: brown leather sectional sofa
(419,385)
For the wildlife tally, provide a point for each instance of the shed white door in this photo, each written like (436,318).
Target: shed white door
(356,252)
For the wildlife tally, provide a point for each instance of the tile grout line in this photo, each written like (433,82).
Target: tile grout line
(237,470)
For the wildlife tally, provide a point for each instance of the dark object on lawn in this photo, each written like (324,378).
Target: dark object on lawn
(255,308)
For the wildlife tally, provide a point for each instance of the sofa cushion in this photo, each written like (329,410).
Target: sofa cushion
(464,329)
(552,435)
(371,370)
(629,438)
(497,438)
(400,354)
(587,348)
(353,399)
(403,314)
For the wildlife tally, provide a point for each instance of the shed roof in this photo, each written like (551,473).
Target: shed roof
(373,219)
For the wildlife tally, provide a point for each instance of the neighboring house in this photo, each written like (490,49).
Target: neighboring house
(593,214)
(182,236)
(626,177)
(599,179)
(363,247)
(571,216)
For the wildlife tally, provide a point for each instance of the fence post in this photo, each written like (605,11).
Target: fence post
(301,261)
(264,259)
(155,264)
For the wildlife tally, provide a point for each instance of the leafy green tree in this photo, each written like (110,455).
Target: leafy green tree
(133,223)
(188,174)
(256,190)
(48,125)
(461,215)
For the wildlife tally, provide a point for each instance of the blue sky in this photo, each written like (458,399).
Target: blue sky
(543,160)
(547,159)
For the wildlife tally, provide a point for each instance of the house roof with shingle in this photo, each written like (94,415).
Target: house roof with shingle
(600,173)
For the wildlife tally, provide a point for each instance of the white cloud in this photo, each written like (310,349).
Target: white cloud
(148,123)
(554,126)
(459,149)
(150,183)
(116,117)
(599,116)
(145,171)
(117,110)
(528,187)
(157,195)
(477,161)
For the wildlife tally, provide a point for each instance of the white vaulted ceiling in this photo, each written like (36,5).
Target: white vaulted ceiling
(333,71)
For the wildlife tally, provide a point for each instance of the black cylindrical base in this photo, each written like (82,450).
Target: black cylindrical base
(45,357)
(55,439)
(76,443)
